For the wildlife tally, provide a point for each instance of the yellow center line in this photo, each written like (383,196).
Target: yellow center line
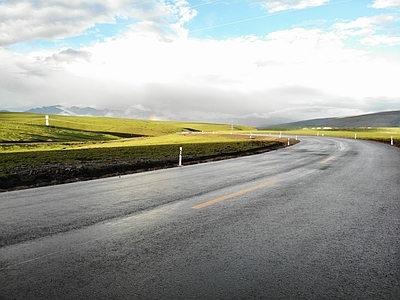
(223,198)
(328,159)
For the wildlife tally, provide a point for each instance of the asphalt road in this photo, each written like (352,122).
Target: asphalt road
(318,220)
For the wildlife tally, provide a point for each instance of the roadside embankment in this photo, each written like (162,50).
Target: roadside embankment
(42,168)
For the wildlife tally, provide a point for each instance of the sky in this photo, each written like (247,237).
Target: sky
(203,60)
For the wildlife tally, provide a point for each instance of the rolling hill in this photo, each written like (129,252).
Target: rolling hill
(380,119)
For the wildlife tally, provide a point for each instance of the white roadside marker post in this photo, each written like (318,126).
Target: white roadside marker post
(296,138)
(180,156)
(288,141)
(280,134)
(355,136)
(391,140)
(47,120)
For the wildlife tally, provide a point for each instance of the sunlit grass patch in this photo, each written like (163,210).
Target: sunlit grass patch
(32,127)
(374,134)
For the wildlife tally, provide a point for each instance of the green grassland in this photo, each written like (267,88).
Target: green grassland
(206,149)
(80,148)
(28,132)
(31,128)
(26,140)
(374,134)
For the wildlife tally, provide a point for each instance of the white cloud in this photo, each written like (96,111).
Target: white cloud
(309,112)
(29,20)
(310,68)
(367,28)
(70,55)
(296,73)
(386,3)
(282,5)
(376,39)
(185,15)
(25,20)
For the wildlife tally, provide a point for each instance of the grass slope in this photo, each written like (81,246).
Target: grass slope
(72,148)
(383,135)
(26,127)
(381,119)
(33,154)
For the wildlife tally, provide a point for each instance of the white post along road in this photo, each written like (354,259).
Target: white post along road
(318,220)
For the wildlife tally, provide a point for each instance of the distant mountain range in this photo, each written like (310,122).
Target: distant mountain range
(380,119)
(142,113)
(131,112)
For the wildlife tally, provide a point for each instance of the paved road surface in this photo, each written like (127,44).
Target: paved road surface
(318,220)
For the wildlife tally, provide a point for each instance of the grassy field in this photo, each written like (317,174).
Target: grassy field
(26,140)
(374,134)
(215,147)
(28,132)
(81,148)
(24,127)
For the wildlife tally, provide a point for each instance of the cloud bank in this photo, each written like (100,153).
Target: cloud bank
(298,72)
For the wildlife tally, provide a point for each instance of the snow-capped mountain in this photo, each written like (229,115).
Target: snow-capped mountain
(69,111)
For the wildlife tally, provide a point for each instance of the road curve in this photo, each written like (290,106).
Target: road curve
(318,220)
